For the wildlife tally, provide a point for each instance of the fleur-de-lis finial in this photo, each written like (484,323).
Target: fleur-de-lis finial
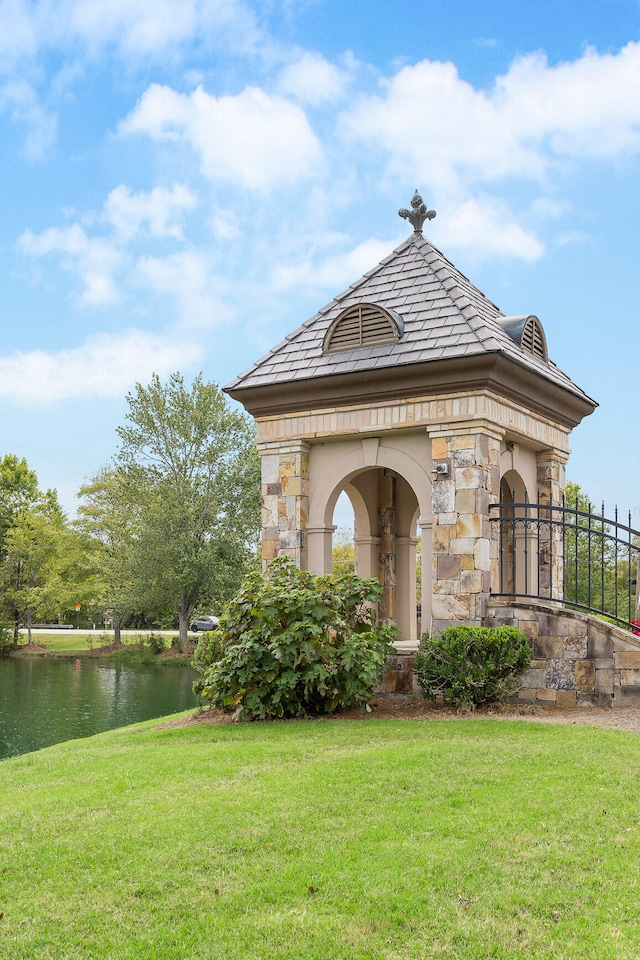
(418,213)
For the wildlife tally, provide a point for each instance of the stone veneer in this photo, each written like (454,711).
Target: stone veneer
(463,548)
(465,431)
(372,418)
(285,502)
(578,660)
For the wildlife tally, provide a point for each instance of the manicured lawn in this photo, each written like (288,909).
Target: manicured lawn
(60,642)
(70,642)
(323,841)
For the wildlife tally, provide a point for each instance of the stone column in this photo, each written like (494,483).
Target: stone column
(387,553)
(463,549)
(285,501)
(551,483)
(406,587)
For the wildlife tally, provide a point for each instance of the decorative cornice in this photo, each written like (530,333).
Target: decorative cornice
(491,371)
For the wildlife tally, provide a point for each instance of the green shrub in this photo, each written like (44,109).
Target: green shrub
(210,650)
(472,665)
(296,644)
(156,643)
(7,641)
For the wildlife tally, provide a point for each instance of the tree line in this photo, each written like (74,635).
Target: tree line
(170,525)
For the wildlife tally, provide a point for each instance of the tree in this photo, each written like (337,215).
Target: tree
(188,485)
(18,491)
(37,562)
(342,554)
(27,570)
(109,521)
(34,547)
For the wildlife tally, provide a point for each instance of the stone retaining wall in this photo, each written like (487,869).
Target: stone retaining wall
(578,660)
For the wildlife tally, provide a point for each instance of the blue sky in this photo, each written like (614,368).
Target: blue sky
(183,183)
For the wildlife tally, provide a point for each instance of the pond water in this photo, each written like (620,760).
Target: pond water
(45,701)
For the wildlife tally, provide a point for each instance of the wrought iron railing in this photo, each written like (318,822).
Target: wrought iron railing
(568,554)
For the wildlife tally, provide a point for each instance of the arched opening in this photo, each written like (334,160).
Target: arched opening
(342,541)
(517,548)
(385,512)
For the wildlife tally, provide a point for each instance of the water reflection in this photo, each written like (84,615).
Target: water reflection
(46,701)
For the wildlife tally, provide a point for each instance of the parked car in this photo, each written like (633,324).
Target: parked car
(204,623)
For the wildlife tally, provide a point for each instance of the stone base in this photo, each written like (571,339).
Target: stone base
(397,678)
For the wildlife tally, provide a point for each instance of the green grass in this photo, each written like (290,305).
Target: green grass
(59,642)
(323,841)
(77,644)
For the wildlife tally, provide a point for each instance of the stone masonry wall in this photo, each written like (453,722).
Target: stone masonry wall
(285,502)
(578,660)
(463,549)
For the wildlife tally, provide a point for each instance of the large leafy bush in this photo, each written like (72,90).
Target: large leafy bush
(210,650)
(297,644)
(472,665)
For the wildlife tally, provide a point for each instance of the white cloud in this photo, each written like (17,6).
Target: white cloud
(93,258)
(20,99)
(587,107)
(187,278)
(145,26)
(332,273)
(313,80)
(159,210)
(436,127)
(105,365)
(254,140)
(19,34)
(144,29)
(549,208)
(486,228)
(572,237)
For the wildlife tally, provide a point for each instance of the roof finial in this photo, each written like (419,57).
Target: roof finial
(418,213)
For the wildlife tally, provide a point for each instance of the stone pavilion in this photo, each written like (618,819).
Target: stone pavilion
(414,394)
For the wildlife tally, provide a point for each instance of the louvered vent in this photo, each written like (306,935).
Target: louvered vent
(526,330)
(533,339)
(362,325)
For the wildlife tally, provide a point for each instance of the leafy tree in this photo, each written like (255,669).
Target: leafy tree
(343,554)
(18,491)
(26,572)
(35,548)
(32,581)
(188,490)
(109,520)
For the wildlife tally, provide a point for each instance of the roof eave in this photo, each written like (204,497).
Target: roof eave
(490,371)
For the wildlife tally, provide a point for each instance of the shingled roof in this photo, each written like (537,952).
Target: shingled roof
(446,318)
